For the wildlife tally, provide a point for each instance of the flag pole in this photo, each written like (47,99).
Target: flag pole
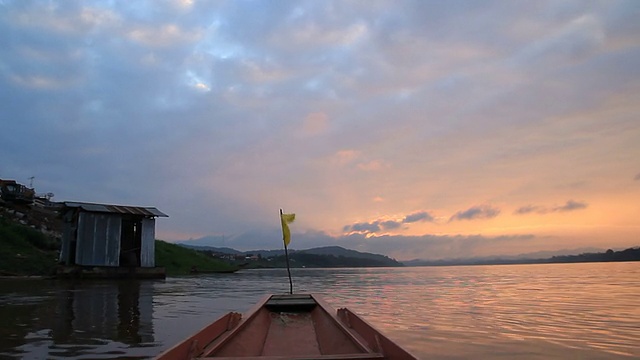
(286,256)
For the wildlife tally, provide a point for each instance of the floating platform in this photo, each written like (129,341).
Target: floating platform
(109,272)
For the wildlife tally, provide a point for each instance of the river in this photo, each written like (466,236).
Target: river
(557,311)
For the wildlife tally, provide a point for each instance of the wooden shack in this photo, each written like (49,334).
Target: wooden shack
(112,240)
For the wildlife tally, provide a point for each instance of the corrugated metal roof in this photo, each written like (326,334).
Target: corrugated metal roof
(116,209)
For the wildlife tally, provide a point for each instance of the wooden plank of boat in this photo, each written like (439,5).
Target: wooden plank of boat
(284,327)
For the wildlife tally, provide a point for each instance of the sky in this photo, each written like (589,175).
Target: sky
(415,129)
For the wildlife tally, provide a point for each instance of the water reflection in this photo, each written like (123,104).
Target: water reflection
(532,311)
(72,319)
(585,311)
(118,311)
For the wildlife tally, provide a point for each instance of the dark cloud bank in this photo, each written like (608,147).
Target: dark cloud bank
(570,205)
(380,225)
(476,212)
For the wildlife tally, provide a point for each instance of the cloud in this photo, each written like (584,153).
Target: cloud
(476,212)
(354,159)
(390,224)
(637,177)
(572,41)
(530,209)
(371,227)
(314,35)
(315,124)
(431,246)
(570,205)
(373,165)
(379,225)
(122,102)
(162,36)
(418,216)
(344,157)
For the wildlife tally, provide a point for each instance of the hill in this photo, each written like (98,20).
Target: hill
(311,260)
(631,254)
(340,251)
(325,250)
(220,250)
(306,260)
(328,256)
(178,260)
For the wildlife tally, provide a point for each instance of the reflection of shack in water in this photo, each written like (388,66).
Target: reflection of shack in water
(115,311)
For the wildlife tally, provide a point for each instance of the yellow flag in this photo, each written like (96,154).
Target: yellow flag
(286,219)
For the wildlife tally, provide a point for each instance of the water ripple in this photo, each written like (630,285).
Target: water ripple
(586,311)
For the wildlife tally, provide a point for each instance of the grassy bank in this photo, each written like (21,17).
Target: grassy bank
(178,260)
(24,251)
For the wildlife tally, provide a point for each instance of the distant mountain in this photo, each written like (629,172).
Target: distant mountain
(340,251)
(207,241)
(328,256)
(306,259)
(630,254)
(333,257)
(548,254)
(226,250)
(222,250)
(502,258)
(326,250)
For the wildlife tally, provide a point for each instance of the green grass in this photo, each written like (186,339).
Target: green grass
(24,251)
(178,260)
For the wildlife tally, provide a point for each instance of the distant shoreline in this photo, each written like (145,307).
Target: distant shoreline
(520,263)
(627,255)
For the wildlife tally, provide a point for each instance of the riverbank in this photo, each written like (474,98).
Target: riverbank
(26,253)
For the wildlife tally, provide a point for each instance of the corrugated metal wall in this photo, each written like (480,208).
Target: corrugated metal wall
(98,239)
(148,250)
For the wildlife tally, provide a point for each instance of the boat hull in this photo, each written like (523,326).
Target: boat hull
(288,327)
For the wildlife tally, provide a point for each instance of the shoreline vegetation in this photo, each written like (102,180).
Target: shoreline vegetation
(630,254)
(26,252)
(178,260)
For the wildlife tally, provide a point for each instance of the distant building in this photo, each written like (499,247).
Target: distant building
(108,235)
(14,192)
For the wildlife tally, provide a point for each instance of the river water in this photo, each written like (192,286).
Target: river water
(557,311)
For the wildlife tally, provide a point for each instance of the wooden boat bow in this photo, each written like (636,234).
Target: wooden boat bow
(288,327)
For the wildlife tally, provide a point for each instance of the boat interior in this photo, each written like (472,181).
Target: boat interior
(288,327)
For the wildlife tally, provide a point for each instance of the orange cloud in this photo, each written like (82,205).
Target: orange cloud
(315,123)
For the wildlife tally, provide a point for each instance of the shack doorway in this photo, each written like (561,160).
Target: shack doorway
(130,242)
